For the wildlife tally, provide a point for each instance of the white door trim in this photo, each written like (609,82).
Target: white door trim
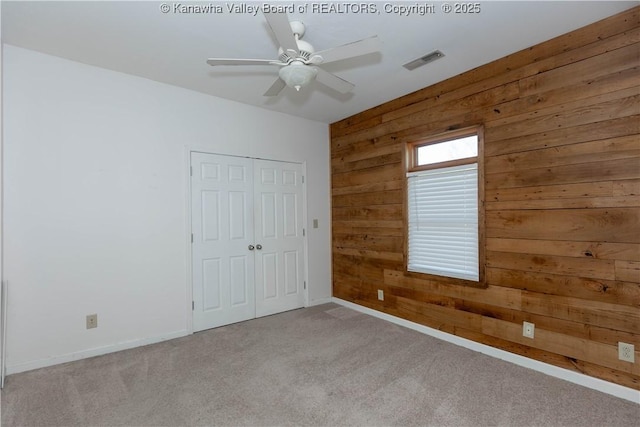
(188,226)
(306,237)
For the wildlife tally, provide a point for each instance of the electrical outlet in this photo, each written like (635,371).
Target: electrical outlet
(92,321)
(626,352)
(528,329)
(380,294)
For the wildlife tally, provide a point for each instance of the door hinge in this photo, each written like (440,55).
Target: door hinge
(305,285)
(303,179)
(303,232)
(193,305)
(191,170)
(191,237)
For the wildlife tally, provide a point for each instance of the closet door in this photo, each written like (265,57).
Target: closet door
(222,226)
(248,242)
(278,190)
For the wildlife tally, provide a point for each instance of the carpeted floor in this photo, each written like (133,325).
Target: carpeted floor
(325,366)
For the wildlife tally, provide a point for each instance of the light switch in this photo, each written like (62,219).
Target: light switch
(315,223)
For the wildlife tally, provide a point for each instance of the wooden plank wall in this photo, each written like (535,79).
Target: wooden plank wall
(562,190)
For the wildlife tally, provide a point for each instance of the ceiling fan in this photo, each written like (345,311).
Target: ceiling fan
(298,62)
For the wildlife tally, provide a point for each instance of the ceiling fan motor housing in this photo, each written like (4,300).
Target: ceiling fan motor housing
(305,50)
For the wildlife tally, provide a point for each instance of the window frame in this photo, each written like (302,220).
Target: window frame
(411,158)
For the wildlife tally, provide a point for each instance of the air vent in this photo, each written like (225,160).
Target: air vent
(430,57)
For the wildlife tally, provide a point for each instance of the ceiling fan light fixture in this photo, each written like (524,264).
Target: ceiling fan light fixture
(297,75)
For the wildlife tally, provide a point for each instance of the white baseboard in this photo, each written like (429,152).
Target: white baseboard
(84,354)
(555,371)
(320,301)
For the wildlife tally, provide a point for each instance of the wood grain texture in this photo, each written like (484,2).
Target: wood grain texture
(561,186)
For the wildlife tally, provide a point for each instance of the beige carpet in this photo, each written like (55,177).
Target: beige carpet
(325,366)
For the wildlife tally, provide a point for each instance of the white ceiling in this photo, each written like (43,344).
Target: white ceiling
(137,38)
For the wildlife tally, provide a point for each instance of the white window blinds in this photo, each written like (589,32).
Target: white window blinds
(443,221)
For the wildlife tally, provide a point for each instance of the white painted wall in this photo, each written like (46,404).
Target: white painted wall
(95,194)
(2,370)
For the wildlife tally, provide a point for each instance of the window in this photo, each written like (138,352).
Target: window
(444,207)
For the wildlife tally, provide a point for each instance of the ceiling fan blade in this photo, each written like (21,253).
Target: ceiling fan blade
(279,23)
(231,61)
(350,50)
(275,88)
(333,81)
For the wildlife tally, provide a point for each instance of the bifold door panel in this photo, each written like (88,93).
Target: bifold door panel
(248,244)
(278,230)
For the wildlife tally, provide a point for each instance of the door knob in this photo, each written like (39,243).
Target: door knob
(258,247)
(251,247)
